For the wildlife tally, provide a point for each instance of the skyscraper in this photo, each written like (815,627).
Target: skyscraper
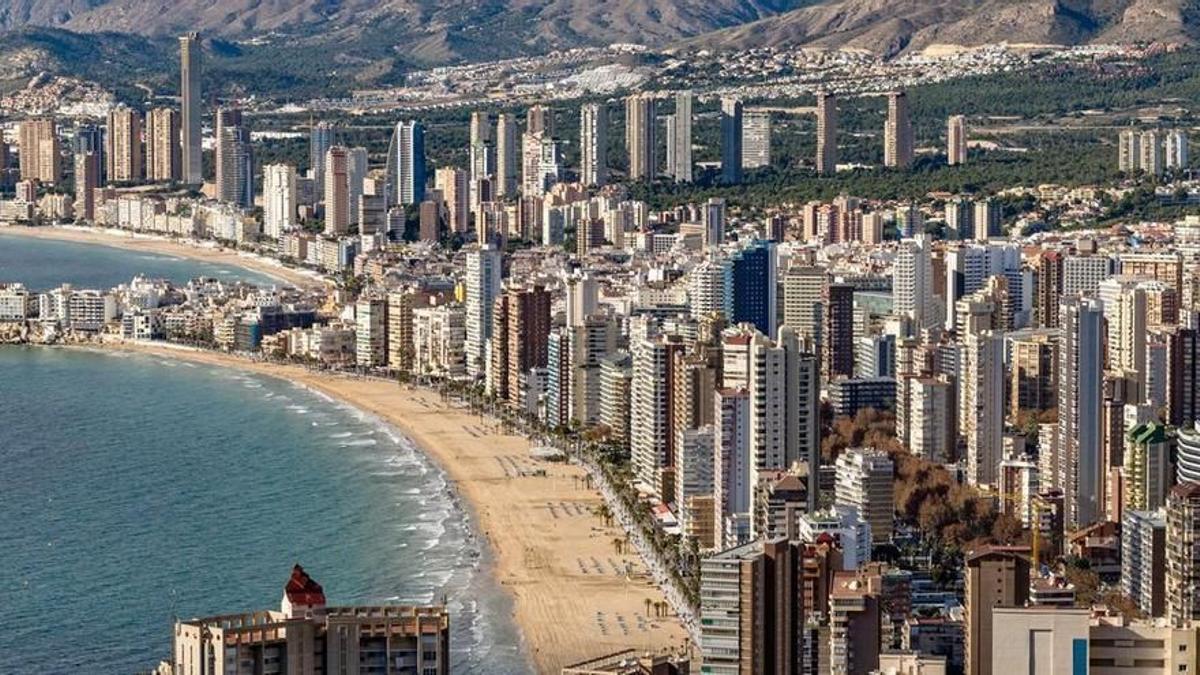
(756,140)
(87,179)
(406,164)
(864,481)
(593,144)
(912,282)
(540,164)
(337,190)
(163,151)
(539,120)
(679,159)
(320,139)
(982,412)
(124,145)
(1183,554)
(1080,473)
(235,163)
(279,199)
(506,155)
(956,140)
(751,609)
(731,140)
(482,288)
(40,158)
(189,88)
(1176,149)
(898,133)
(838,332)
(827,124)
(481,157)
(452,183)
(640,137)
(754,286)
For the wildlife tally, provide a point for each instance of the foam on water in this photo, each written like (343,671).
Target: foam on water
(378,521)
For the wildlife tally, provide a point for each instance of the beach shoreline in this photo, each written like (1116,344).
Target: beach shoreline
(205,251)
(543,541)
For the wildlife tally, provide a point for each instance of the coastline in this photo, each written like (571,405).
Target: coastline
(183,248)
(545,547)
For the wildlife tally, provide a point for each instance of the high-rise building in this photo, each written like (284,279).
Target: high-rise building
(163,151)
(827,125)
(710,288)
(1143,560)
(982,412)
(864,481)
(1080,471)
(506,155)
(986,219)
(593,144)
(995,577)
(528,316)
(640,136)
(406,164)
(803,303)
(123,152)
(540,120)
(306,635)
(37,140)
(1129,151)
(751,611)
(1176,150)
(234,159)
(912,283)
(541,164)
(756,139)
(337,190)
(1147,465)
(1082,274)
(755,286)
(370,332)
(838,331)
(925,416)
(679,137)
(897,132)
(731,140)
(482,288)
(321,137)
(652,446)
(854,625)
(279,199)
(452,183)
(1033,373)
(1151,146)
(1183,554)
(713,220)
(189,124)
(956,140)
(87,179)
(781,382)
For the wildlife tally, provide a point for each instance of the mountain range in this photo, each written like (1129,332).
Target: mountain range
(384,37)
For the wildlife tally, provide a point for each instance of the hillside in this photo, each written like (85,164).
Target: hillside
(434,26)
(890,27)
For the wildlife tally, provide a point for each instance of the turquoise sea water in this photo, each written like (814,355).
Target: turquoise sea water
(42,264)
(135,488)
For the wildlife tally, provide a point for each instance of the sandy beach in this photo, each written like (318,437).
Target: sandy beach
(205,251)
(572,598)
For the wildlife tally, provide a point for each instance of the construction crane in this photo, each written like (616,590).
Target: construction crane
(1036,506)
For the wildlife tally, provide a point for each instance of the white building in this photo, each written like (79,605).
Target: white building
(482,287)
(864,481)
(279,199)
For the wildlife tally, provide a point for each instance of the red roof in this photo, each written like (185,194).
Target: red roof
(301,589)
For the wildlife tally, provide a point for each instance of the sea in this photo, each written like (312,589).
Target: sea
(136,489)
(42,264)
